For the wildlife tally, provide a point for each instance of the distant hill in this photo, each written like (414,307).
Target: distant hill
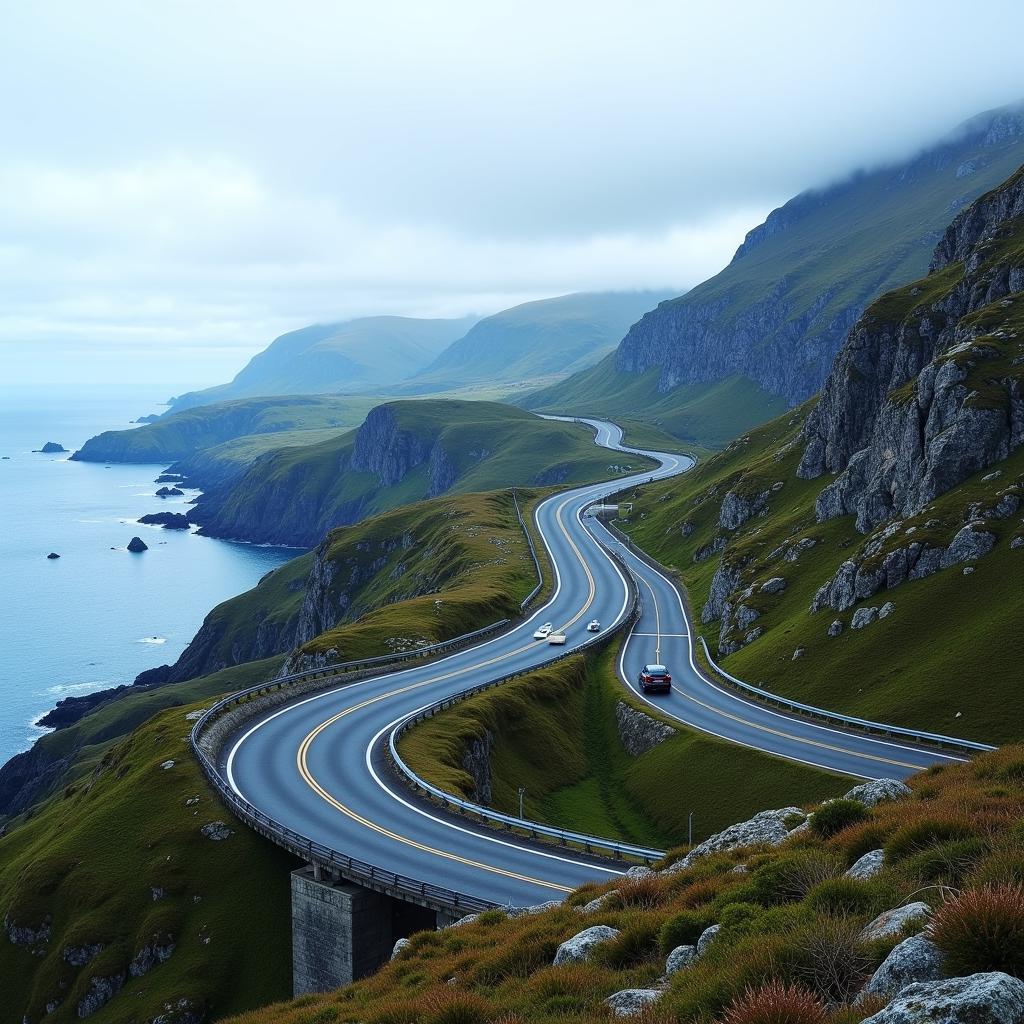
(762,334)
(405,451)
(183,434)
(356,355)
(549,337)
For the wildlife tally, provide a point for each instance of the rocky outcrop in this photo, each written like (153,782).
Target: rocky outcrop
(914,960)
(871,571)
(993,998)
(218,831)
(383,448)
(52,448)
(156,951)
(101,991)
(137,545)
(768,828)
(638,732)
(911,408)
(582,944)
(707,937)
(726,579)
(476,762)
(26,934)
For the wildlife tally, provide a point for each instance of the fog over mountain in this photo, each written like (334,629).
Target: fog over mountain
(177,181)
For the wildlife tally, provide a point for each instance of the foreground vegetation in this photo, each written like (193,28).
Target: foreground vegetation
(555,732)
(790,923)
(115,888)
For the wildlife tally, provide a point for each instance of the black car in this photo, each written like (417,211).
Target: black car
(655,679)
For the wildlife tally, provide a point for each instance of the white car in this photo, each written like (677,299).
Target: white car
(557,638)
(543,632)
(593,626)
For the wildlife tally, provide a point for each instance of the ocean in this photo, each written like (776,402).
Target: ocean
(98,615)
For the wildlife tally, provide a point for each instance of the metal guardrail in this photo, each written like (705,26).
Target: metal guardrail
(535,828)
(317,853)
(846,720)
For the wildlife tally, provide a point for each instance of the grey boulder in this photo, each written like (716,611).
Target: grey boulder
(993,998)
(914,960)
(706,938)
(631,1001)
(680,957)
(580,947)
(877,791)
(768,827)
(892,922)
(867,866)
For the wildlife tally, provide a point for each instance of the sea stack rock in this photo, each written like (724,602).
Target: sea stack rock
(169,492)
(53,554)
(168,520)
(136,544)
(52,447)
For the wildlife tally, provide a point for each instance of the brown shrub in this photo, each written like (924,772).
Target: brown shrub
(982,930)
(776,1003)
(830,959)
(644,893)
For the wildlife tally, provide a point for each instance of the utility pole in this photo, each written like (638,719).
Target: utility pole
(522,792)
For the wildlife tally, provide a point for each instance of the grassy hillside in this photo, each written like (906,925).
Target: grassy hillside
(947,660)
(777,314)
(787,916)
(183,434)
(117,863)
(706,415)
(356,355)
(537,339)
(406,451)
(554,731)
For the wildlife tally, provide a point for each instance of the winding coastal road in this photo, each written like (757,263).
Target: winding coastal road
(317,764)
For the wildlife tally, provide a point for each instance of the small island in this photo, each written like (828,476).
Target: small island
(168,520)
(53,554)
(51,448)
(137,545)
(170,492)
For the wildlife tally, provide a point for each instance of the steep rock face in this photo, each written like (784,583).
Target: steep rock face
(638,732)
(928,388)
(384,449)
(476,760)
(783,332)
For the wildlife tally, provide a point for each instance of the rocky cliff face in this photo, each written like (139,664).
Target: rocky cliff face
(929,387)
(779,316)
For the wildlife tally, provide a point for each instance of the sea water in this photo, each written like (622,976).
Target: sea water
(98,615)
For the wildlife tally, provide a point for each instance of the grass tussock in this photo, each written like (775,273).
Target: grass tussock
(789,948)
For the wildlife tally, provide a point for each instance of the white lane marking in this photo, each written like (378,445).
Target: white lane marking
(637,633)
(750,704)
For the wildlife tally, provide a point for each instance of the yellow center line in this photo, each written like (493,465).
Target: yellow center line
(765,728)
(310,780)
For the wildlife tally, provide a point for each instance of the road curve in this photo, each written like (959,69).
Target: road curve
(316,764)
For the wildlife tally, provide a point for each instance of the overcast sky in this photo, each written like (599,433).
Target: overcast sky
(182,181)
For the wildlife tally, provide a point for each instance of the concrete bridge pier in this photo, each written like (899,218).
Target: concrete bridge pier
(342,931)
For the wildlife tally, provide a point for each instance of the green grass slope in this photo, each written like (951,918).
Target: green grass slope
(296,495)
(706,415)
(356,355)
(537,339)
(554,731)
(185,433)
(788,919)
(778,313)
(117,863)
